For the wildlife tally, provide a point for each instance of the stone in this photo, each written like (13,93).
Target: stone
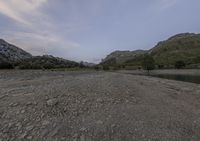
(22,111)
(45,122)
(82,138)
(29,137)
(52,102)
(99,122)
(29,128)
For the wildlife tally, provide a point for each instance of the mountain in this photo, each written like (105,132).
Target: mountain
(87,64)
(181,47)
(120,57)
(11,54)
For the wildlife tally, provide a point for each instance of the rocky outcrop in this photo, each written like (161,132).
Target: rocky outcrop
(10,53)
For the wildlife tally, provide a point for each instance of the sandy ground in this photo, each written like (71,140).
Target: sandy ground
(96,106)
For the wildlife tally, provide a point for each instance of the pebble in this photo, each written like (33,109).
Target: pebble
(22,111)
(52,102)
(29,103)
(82,138)
(45,122)
(13,104)
(19,126)
(23,135)
(63,138)
(28,128)
(83,129)
(99,122)
(29,137)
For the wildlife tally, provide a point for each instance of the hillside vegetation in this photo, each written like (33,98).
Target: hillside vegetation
(181,48)
(46,62)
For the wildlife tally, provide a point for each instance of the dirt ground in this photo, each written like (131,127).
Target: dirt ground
(96,106)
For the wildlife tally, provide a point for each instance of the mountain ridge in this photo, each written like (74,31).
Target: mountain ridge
(180,47)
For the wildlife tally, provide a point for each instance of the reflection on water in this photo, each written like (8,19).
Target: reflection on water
(186,78)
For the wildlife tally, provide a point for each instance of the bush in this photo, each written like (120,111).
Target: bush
(6,65)
(179,64)
(97,68)
(105,67)
(148,63)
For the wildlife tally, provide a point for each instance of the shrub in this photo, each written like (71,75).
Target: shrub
(6,65)
(105,67)
(179,64)
(148,63)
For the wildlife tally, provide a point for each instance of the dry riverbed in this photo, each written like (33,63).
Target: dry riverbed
(96,106)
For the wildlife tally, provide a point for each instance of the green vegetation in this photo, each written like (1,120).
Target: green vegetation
(148,63)
(6,65)
(179,51)
(179,64)
(166,54)
(184,47)
(47,62)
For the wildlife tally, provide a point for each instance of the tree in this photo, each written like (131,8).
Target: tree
(105,67)
(179,64)
(148,63)
(6,65)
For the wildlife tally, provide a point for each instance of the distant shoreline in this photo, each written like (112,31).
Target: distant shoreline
(194,72)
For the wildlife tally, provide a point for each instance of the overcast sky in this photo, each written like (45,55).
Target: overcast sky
(90,29)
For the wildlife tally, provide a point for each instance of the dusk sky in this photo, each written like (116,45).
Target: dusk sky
(88,30)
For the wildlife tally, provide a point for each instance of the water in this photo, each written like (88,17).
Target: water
(186,78)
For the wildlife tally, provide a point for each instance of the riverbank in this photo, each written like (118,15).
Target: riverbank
(195,72)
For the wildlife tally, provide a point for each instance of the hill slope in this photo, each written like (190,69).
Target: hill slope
(10,53)
(12,56)
(184,47)
(181,47)
(120,57)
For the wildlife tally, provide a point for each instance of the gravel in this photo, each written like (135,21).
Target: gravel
(96,106)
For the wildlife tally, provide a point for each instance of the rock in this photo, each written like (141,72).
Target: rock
(23,135)
(29,137)
(13,104)
(45,122)
(29,128)
(83,129)
(82,138)
(52,102)
(29,103)
(19,126)
(99,122)
(63,138)
(22,111)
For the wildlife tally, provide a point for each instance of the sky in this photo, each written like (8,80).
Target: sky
(89,30)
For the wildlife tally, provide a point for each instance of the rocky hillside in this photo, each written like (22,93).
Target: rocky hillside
(14,57)
(10,53)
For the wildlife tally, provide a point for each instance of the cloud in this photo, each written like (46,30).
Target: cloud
(165,4)
(20,10)
(39,44)
(37,33)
